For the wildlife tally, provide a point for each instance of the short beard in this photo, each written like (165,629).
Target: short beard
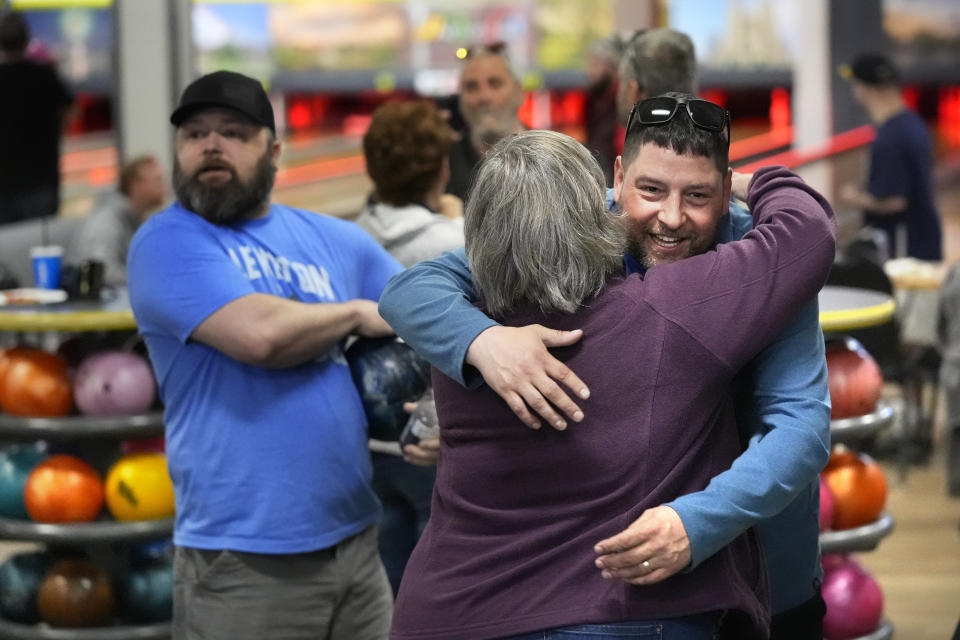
(636,242)
(489,126)
(226,203)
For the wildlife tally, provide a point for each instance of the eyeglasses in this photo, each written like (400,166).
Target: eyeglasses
(662,109)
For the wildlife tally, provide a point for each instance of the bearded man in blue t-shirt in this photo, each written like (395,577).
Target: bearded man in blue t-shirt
(244,305)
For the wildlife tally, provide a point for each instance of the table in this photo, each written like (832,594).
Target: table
(847,308)
(112,312)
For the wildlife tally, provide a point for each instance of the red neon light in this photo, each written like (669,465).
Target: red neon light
(525,112)
(716,96)
(911,97)
(779,109)
(299,115)
(948,115)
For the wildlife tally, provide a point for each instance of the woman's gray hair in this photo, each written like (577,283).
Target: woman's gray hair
(537,227)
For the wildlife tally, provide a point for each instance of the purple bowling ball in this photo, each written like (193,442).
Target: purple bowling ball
(114,383)
(854,601)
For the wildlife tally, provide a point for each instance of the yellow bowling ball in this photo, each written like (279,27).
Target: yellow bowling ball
(139,487)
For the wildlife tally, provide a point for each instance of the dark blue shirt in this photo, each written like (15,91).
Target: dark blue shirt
(901,164)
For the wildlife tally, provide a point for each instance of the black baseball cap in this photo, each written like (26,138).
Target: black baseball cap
(871,68)
(226,89)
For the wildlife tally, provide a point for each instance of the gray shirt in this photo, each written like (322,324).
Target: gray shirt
(411,233)
(105,235)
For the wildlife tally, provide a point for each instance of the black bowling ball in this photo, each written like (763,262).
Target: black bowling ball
(387,373)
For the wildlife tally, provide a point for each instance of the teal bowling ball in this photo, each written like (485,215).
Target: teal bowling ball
(20,577)
(148,593)
(16,463)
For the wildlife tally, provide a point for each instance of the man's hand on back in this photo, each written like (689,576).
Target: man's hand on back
(654,547)
(515,362)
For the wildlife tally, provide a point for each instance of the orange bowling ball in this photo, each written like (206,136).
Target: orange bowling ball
(63,489)
(34,383)
(858,486)
(854,378)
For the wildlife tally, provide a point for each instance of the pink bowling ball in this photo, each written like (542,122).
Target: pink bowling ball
(114,383)
(854,601)
(826,506)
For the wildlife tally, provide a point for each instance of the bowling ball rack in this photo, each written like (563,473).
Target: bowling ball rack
(859,428)
(96,440)
(15,631)
(843,309)
(79,426)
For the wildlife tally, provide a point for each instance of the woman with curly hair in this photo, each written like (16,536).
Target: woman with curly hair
(406,149)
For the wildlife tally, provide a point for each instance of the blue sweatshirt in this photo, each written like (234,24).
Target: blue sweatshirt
(786,417)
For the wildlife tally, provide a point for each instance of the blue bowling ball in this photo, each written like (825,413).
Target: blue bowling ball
(144,554)
(20,577)
(16,463)
(148,593)
(387,373)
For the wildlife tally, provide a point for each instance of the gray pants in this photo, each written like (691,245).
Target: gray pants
(340,593)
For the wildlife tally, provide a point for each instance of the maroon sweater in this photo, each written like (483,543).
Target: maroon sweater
(516,512)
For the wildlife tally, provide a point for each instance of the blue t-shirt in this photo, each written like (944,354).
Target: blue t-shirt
(262,460)
(901,164)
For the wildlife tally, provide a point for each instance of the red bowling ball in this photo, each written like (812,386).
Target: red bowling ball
(854,600)
(854,378)
(114,383)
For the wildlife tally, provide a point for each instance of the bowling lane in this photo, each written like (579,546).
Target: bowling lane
(321,173)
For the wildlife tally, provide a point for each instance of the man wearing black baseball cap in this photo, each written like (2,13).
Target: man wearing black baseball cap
(244,305)
(898,194)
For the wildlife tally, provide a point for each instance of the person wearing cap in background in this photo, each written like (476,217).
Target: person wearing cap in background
(106,231)
(899,185)
(490,95)
(781,398)
(243,305)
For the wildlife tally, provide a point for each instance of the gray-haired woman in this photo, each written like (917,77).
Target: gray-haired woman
(516,512)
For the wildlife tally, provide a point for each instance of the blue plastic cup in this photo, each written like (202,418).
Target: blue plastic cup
(46,266)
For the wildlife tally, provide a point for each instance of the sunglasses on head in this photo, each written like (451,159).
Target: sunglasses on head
(662,109)
(494,48)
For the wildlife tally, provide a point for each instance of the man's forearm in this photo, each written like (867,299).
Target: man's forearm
(790,400)
(273,332)
(429,306)
(882,206)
